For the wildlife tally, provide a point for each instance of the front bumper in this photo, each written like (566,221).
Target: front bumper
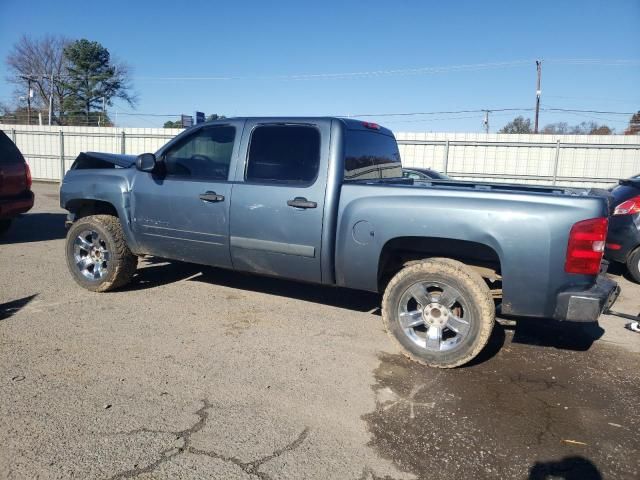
(13,206)
(587,305)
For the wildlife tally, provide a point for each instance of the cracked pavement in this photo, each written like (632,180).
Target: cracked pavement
(193,372)
(184,436)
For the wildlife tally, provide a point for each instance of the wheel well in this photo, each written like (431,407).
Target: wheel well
(399,251)
(85,207)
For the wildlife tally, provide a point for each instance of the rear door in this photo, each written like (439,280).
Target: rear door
(182,211)
(278,202)
(13,174)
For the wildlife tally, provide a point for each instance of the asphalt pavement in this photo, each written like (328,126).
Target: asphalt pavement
(196,372)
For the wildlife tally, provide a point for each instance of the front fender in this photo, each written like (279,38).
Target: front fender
(112,188)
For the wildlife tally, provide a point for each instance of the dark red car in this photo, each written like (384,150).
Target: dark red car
(16,196)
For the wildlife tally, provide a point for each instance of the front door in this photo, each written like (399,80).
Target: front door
(182,210)
(278,202)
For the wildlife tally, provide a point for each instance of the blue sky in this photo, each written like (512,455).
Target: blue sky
(263,41)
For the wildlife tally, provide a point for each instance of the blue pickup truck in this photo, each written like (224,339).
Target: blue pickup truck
(323,200)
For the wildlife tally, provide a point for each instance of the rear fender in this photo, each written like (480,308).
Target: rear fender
(528,233)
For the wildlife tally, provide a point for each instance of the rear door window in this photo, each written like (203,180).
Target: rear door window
(371,155)
(288,154)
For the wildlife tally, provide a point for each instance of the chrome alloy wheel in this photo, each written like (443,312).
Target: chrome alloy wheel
(434,316)
(91,255)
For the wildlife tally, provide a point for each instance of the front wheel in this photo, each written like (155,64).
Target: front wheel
(97,254)
(439,311)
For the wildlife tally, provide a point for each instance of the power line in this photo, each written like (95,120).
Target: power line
(575,110)
(397,114)
(327,75)
(149,114)
(601,119)
(370,73)
(603,99)
(411,114)
(595,61)
(453,112)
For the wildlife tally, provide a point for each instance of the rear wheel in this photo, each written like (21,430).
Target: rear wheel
(439,311)
(97,254)
(633,264)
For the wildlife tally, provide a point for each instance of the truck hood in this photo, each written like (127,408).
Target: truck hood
(103,160)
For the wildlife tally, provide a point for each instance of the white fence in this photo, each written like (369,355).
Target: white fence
(573,160)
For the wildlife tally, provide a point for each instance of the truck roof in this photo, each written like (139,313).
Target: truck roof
(350,123)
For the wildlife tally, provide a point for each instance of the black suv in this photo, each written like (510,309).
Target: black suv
(623,240)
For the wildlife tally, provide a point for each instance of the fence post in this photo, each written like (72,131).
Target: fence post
(555,162)
(13,135)
(122,143)
(62,169)
(445,159)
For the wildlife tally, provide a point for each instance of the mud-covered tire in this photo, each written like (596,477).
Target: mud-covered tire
(474,293)
(633,265)
(121,263)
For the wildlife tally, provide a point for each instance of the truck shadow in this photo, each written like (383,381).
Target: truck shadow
(541,333)
(155,272)
(35,227)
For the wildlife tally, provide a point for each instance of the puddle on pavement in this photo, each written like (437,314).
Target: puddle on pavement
(532,410)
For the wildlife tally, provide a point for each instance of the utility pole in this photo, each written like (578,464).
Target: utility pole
(51,99)
(485,122)
(28,79)
(28,100)
(538,92)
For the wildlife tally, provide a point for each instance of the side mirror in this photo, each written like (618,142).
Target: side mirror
(146,162)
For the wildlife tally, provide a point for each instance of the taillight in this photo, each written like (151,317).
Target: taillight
(27,174)
(628,207)
(371,125)
(586,246)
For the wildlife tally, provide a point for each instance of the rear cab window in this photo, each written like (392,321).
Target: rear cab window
(370,154)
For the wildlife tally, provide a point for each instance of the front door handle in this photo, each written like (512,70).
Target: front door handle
(211,197)
(301,202)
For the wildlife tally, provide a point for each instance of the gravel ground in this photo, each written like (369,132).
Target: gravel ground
(194,372)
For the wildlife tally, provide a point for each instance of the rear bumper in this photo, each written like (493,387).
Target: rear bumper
(13,206)
(587,305)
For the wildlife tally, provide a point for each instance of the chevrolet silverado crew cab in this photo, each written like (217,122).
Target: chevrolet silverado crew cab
(323,200)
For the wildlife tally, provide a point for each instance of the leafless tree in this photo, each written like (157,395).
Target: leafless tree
(37,62)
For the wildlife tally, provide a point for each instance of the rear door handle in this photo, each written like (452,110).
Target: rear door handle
(301,202)
(211,197)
